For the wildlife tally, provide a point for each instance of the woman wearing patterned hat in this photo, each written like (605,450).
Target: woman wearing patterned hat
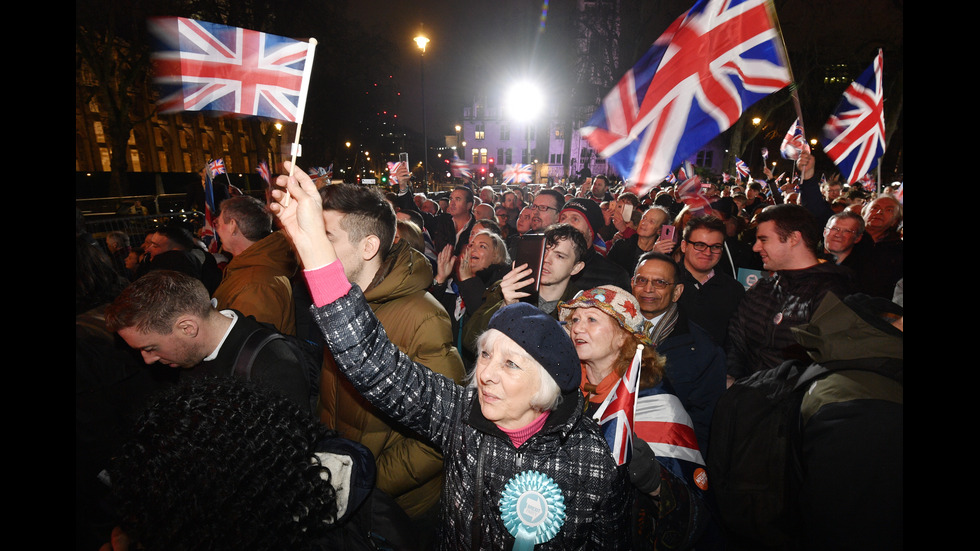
(666,468)
(524,467)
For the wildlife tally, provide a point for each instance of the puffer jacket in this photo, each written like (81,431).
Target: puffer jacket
(759,333)
(409,468)
(257,282)
(569,448)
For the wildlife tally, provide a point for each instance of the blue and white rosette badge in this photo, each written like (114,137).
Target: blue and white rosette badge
(532,508)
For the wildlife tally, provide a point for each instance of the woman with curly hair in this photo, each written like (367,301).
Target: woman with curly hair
(222,465)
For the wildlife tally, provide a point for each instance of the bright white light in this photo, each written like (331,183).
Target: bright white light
(524,101)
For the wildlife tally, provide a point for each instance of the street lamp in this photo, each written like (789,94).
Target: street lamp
(421,41)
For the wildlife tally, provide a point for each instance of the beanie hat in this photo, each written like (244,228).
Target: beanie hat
(590,210)
(618,303)
(544,339)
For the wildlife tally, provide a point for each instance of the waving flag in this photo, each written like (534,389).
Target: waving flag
(517,173)
(710,65)
(615,415)
(794,143)
(329,172)
(206,66)
(690,193)
(461,169)
(662,422)
(741,167)
(216,167)
(854,136)
(263,170)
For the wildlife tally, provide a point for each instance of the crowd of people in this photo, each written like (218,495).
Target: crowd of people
(442,384)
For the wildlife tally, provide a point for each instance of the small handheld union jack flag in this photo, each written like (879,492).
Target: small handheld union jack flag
(216,167)
(741,167)
(263,170)
(461,169)
(794,143)
(854,136)
(615,415)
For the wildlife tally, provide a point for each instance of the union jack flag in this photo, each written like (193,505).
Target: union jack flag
(206,66)
(854,136)
(694,83)
(741,167)
(263,170)
(517,173)
(615,415)
(690,193)
(460,168)
(662,422)
(868,182)
(725,177)
(794,143)
(671,179)
(216,167)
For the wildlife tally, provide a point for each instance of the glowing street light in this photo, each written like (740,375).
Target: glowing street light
(422,41)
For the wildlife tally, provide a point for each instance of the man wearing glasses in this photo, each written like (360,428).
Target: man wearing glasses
(547,204)
(695,364)
(711,297)
(844,230)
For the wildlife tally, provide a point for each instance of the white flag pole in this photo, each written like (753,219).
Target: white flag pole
(301,110)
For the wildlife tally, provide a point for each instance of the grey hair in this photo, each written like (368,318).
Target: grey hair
(548,395)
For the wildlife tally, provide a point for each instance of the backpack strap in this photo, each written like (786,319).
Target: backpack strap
(250,350)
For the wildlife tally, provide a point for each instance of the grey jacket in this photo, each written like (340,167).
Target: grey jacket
(569,448)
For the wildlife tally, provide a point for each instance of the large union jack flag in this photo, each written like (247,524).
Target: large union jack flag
(204,66)
(615,415)
(694,83)
(854,136)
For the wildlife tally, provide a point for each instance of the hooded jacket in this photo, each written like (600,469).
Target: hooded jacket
(409,468)
(569,448)
(257,282)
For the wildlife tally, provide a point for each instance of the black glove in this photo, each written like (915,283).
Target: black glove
(644,468)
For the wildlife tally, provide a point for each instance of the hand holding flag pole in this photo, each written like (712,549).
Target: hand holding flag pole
(304,89)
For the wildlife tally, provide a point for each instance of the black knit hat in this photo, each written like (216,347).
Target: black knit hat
(541,336)
(590,209)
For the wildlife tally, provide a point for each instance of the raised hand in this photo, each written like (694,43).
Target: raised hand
(445,263)
(300,212)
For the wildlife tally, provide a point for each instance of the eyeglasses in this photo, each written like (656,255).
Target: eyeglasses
(839,231)
(640,281)
(544,208)
(701,247)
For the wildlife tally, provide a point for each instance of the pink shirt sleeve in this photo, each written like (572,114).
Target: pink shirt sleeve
(327,283)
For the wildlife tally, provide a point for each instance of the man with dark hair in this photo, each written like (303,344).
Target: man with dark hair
(753,200)
(173,248)
(394,277)
(787,239)
(547,203)
(600,189)
(695,364)
(168,317)
(257,280)
(710,297)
